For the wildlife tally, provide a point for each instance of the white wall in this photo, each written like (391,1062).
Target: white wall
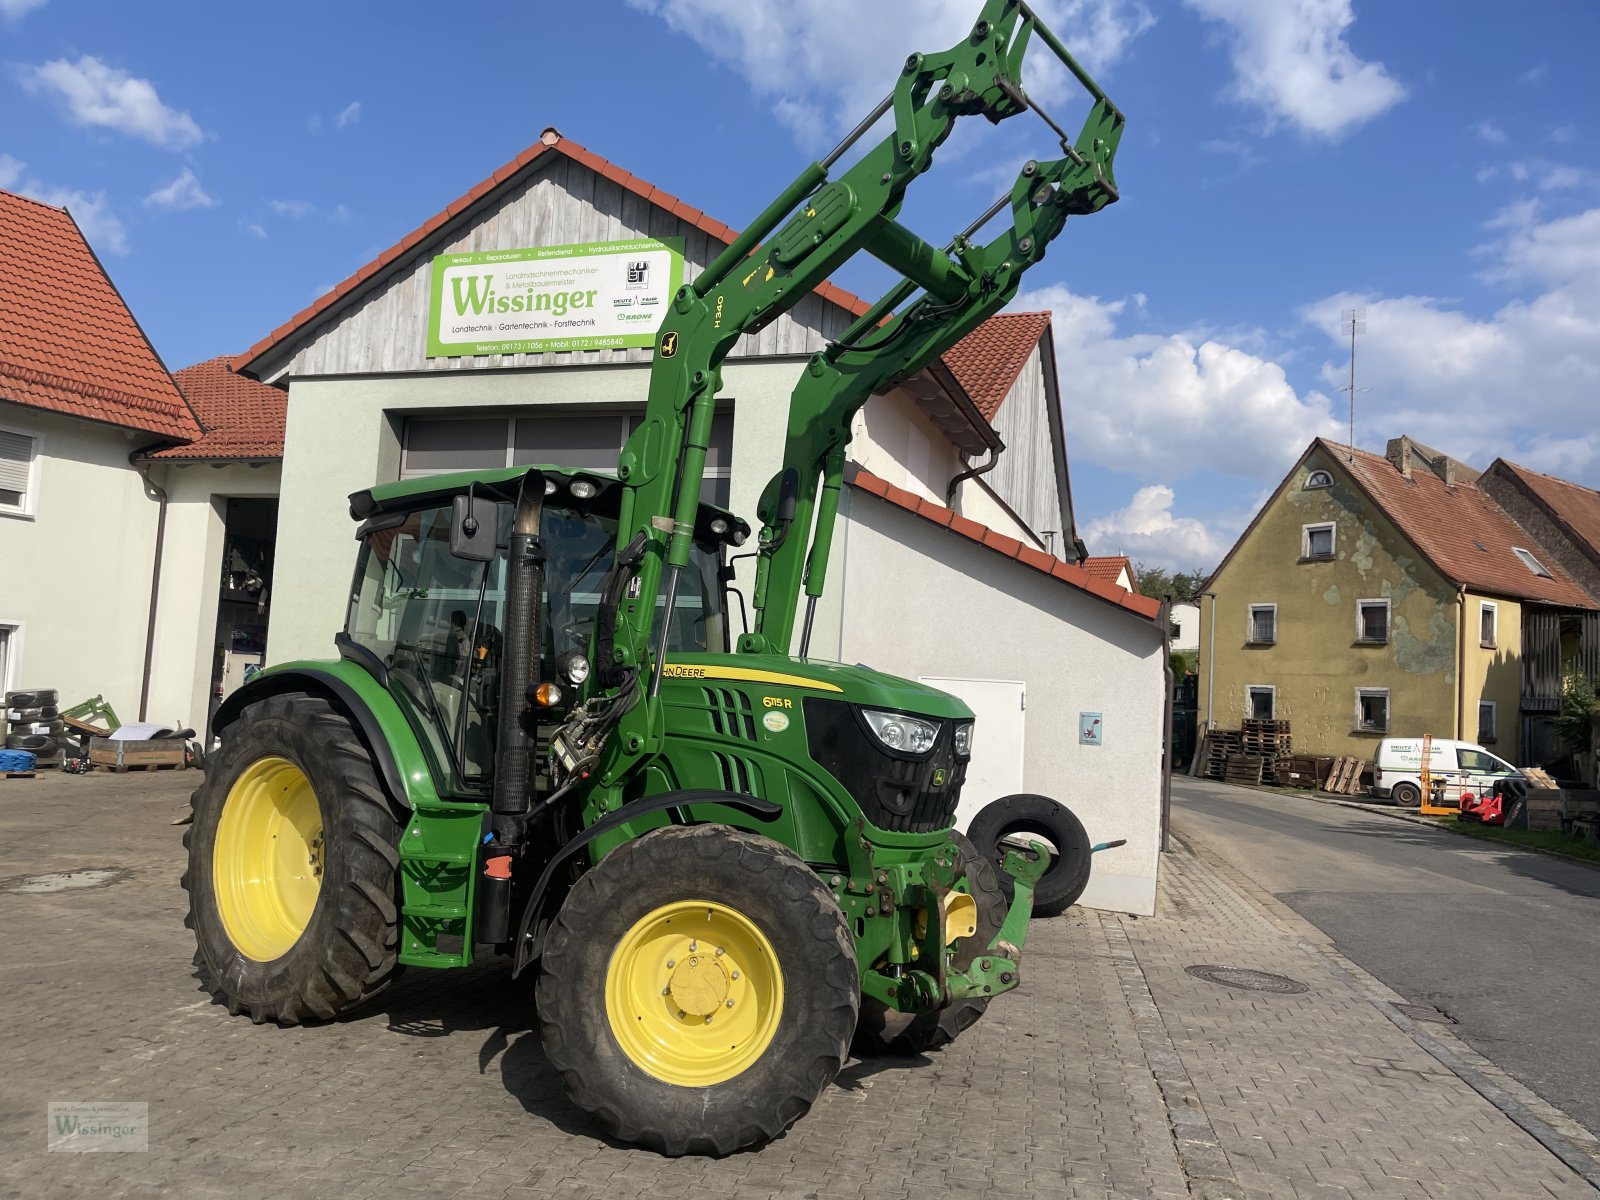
(191,572)
(920,600)
(78,573)
(1186,616)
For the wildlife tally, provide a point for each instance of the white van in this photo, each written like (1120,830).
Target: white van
(1464,766)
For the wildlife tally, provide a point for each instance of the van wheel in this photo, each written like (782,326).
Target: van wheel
(1406,795)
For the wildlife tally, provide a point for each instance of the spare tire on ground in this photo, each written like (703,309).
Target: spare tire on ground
(1009,823)
(31,698)
(38,743)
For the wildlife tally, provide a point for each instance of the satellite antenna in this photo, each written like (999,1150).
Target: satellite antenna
(1355,321)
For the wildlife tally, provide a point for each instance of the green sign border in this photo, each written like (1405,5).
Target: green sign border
(479,349)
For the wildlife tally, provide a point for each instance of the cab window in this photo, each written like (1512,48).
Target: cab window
(1480,763)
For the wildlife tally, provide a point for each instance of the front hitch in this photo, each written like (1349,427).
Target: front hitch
(999,969)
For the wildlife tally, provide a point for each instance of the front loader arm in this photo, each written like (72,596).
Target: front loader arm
(764,272)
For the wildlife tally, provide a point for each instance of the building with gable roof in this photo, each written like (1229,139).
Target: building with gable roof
(1394,594)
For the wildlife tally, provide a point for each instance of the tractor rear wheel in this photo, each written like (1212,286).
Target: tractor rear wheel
(884,1031)
(293,870)
(698,990)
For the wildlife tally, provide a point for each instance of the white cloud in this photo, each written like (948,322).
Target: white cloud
(1521,382)
(1159,405)
(15,10)
(299,210)
(1490,132)
(255,230)
(851,53)
(91,210)
(100,96)
(1291,59)
(1147,532)
(348,115)
(182,193)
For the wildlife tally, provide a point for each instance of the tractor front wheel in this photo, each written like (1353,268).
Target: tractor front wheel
(698,990)
(293,870)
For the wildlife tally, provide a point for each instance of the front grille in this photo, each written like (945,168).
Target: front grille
(897,794)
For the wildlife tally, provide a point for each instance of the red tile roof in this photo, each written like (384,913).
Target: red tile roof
(988,360)
(1574,507)
(1108,567)
(243,419)
(1028,556)
(1460,530)
(68,343)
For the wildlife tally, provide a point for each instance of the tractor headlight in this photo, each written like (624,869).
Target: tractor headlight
(573,667)
(583,489)
(963,740)
(908,735)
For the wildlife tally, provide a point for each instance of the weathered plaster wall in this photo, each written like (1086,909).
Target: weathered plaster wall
(1494,673)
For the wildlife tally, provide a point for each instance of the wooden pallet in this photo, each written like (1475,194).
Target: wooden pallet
(18,774)
(126,767)
(1344,777)
(1539,779)
(1244,769)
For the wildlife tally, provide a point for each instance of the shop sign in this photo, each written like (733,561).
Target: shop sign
(602,296)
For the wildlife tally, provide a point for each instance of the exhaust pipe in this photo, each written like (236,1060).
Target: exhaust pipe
(519,668)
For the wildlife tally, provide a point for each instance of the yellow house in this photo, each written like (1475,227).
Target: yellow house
(1378,595)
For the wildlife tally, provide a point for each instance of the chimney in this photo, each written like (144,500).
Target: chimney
(1449,472)
(1398,452)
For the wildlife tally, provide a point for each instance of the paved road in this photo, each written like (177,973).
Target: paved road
(1505,941)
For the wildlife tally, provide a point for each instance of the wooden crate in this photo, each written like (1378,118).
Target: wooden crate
(1544,809)
(119,754)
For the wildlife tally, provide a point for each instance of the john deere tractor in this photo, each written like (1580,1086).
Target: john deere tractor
(725,861)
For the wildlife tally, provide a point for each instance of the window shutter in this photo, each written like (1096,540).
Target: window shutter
(16,456)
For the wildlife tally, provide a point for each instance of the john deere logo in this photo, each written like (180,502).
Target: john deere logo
(669,345)
(938,777)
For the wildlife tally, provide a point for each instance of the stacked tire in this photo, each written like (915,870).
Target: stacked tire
(34,724)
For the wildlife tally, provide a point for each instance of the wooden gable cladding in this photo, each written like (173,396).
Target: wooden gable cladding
(557,201)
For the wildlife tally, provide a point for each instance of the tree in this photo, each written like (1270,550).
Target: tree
(1159,583)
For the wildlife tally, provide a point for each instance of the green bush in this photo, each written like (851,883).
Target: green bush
(1579,709)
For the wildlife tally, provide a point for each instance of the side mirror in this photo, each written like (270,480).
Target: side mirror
(474,522)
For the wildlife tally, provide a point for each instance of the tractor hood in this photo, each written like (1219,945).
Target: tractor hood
(857,684)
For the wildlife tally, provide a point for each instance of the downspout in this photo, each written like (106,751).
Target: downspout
(141,464)
(1461,662)
(973,473)
(1165,617)
(1211,662)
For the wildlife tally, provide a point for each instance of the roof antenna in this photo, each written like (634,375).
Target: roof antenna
(1355,321)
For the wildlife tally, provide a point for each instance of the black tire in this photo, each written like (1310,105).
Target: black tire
(347,952)
(1024,814)
(883,1031)
(31,698)
(1406,795)
(40,743)
(767,886)
(54,729)
(32,715)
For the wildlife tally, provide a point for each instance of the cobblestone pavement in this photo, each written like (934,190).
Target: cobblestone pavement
(1073,1087)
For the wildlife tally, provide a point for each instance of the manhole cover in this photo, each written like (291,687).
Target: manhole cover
(1425,1012)
(63,881)
(1247,980)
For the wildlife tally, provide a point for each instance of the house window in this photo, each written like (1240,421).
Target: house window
(1372,621)
(1372,710)
(1488,620)
(1316,541)
(1486,721)
(1532,563)
(1261,701)
(1263,624)
(1318,479)
(18,455)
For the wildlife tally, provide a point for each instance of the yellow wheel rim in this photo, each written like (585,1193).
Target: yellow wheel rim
(266,864)
(694,993)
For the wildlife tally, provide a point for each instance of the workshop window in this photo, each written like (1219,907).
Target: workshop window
(1485,722)
(1488,624)
(1261,701)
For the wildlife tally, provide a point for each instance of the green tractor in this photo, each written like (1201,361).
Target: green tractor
(541,738)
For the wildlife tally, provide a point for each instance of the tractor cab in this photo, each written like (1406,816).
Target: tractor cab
(428,616)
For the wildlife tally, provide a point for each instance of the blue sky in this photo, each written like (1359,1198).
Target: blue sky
(1285,160)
